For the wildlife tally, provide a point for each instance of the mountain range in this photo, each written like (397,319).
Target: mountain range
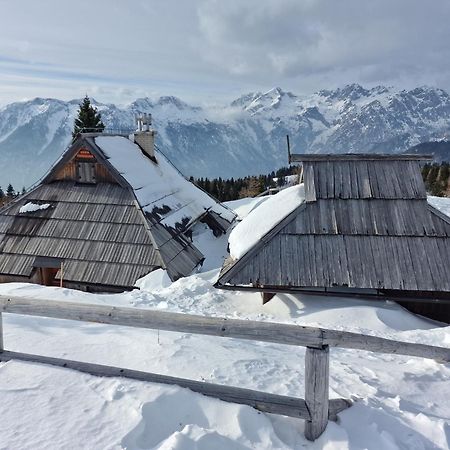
(245,137)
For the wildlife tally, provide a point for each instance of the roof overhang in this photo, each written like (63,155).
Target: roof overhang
(357,157)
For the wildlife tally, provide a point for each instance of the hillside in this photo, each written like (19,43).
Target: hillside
(439,149)
(243,138)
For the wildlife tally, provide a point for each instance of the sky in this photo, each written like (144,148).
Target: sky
(212,51)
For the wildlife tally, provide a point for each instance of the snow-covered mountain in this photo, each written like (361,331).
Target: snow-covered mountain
(245,137)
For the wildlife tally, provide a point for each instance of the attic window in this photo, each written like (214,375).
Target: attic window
(86,172)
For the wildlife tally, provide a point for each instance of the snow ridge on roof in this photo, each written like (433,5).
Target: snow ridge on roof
(261,220)
(160,189)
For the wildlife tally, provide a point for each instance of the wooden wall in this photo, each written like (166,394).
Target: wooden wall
(69,172)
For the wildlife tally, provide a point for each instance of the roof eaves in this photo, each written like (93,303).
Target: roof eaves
(357,157)
(236,265)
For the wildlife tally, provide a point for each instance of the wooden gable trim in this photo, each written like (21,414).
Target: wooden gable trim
(236,266)
(84,144)
(438,213)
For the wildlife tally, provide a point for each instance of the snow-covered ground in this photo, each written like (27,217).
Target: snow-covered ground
(400,402)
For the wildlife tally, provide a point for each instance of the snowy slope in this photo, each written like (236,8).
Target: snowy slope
(246,137)
(400,402)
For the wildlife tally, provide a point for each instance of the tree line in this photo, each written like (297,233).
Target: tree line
(251,186)
(9,194)
(437,179)
(435,176)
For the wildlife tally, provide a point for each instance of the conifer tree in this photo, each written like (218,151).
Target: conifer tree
(88,120)
(10,191)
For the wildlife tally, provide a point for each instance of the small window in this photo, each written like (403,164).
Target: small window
(86,172)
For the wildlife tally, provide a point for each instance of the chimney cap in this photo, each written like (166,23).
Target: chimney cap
(143,121)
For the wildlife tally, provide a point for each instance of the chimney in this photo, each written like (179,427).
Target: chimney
(144,136)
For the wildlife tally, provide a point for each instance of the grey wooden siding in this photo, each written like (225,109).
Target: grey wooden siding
(366,224)
(372,262)
(363,180)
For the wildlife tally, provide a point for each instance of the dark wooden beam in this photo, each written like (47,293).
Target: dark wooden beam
(358,157)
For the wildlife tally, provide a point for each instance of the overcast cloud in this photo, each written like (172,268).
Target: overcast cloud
(212,50)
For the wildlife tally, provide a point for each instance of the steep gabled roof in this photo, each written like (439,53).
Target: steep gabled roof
(365,224)
(129,222)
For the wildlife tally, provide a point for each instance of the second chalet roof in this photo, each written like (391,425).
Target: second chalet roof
(364,223)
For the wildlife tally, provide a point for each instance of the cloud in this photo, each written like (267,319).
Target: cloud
(292,39)
(207,50)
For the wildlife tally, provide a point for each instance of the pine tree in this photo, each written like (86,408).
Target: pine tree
(10,193)
(88,120)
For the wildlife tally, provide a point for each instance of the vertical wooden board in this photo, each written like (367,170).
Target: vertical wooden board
(289,264)
(324,217)
(317,371)
(432,258)
(330,180)
(394,263)
(443,250)
(365,184)
(337,174)
(310,188)
(378,244)
(333,217)
(342,215)
(366,266)
(343,261)
(322,174)
(1,333)
(301,252)
(354,168)
(355,260)
(313,260)
(319,260)
(416,265)
(417,246)
(345,185)
(407,266)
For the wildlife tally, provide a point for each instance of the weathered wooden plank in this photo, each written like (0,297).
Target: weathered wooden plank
(310,187)
(168,321)
(262,401)
(277,333)
(346,339)
(317,368)
(270,403)
(296,157)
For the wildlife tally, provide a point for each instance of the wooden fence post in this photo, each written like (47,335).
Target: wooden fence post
(317,367)
(1,333)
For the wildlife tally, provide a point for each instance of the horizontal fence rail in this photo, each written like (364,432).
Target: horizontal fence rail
(316,409)
(277,333)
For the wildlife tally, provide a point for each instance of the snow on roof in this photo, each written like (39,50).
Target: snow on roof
(33,207)
(159,187)
(440,203)
(260,221)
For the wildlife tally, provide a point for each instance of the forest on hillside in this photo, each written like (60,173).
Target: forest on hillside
(435,176)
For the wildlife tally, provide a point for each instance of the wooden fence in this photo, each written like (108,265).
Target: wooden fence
(316,408)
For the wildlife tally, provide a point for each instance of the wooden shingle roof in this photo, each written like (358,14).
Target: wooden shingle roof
(114,229)
(365,224)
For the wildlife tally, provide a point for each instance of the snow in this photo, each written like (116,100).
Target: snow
(33,207)
(249,232)
(441,203)
(158,185)
(399,402)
